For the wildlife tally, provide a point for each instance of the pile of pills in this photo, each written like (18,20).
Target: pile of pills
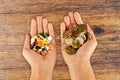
(75,36)
(40,43)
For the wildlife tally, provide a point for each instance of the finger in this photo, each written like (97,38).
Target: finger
(72,19)
(33,27)
(51,32)
(45,25)
(78,18)
(67,20)
(27,42)
(39,24)
(92,35)
(62,28)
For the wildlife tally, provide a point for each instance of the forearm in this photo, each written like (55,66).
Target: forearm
(83,71)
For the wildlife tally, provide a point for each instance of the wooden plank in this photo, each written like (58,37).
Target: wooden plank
(102,15)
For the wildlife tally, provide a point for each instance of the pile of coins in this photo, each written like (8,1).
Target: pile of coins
(40,43)
(75,36)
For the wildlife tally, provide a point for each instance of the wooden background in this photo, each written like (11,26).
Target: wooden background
(102,15)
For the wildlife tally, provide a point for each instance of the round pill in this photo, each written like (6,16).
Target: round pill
(47,47)
(49,38)
(39,49)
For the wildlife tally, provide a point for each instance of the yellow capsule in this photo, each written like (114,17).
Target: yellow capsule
(43,45)
(46,42)
(35,36)
(40,41)
(34,49)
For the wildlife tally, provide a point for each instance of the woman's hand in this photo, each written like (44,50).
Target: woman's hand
(41,66)
(80,61)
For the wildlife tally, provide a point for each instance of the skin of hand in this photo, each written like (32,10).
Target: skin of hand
(79,63)
(42,67)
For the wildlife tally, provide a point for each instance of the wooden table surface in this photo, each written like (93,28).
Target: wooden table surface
(102,15)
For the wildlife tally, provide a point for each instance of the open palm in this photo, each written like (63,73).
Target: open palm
(43,63)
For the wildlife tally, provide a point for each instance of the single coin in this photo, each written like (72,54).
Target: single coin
(70,50)
(68,41)
(76,44)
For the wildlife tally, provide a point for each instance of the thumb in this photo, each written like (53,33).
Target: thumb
(27,42)
(62,28)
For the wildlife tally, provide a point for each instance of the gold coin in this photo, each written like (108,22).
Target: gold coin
(70,50)
(80,39)
(68,41)
(75,44)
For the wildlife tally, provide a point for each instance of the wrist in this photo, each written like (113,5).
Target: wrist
(79,69)
(80,63)
(39,73)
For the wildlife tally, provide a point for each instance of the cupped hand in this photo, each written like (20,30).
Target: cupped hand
(42,66)
(86,50)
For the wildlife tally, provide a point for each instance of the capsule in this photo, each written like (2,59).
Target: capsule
(35,36)
(32,40)
(44,49)
(39,44)
(47,47)
(45,35)
(40,35)
(43,53)
(32,45)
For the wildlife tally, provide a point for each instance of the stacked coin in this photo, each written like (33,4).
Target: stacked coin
(40,43)
(75,36)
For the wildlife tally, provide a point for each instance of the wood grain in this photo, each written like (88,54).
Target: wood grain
(102,15)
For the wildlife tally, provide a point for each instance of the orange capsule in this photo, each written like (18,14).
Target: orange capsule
(39,44)
(43,53)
